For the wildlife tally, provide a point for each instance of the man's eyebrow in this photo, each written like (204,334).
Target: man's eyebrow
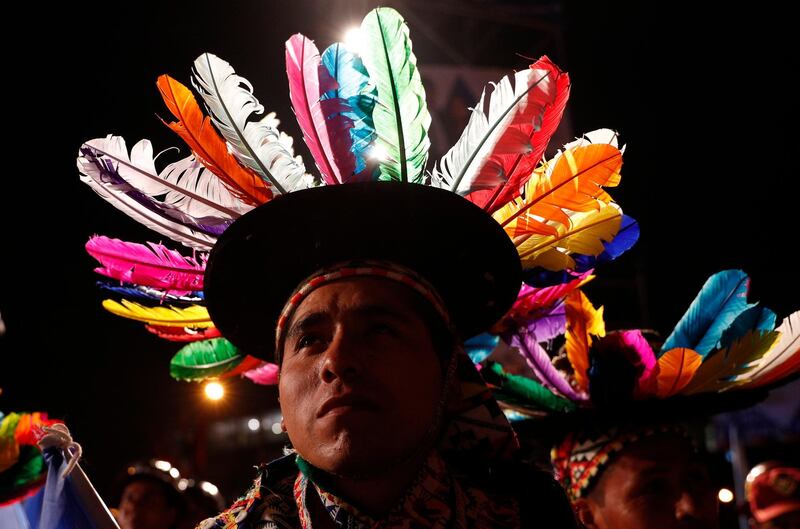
(308,320)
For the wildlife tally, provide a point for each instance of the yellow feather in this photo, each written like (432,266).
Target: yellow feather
(192,316)
(583,321)
(586,237)
(720,366)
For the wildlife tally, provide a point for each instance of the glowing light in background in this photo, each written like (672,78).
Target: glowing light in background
(214,391)
(353,40)
(725,496)
(253,424)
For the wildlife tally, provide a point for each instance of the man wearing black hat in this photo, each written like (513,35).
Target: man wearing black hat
(390,422)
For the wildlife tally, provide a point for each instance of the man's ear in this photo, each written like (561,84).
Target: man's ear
(584,511)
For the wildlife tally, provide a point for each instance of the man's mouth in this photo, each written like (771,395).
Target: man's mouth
(346,403)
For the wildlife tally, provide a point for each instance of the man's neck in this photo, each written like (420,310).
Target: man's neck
(376,495)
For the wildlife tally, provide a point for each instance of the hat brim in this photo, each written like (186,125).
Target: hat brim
(262,257)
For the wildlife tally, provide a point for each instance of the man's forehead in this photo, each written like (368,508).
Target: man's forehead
(358,294)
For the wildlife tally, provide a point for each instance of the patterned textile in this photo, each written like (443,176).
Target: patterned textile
(435,500)
(579,458)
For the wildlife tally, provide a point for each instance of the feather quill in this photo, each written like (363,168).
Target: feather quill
(199,134)
(256,143)
(401,116)
(498,151)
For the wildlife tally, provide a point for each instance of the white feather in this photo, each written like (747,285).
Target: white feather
(186,185)
(258,145)
(464,168)
(113,149)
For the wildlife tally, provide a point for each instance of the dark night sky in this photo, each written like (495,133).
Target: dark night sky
(702,101)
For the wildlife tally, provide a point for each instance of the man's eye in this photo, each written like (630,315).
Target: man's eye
(381,328)
(307,341)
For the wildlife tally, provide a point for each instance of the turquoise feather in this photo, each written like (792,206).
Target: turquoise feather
(359,96)
(720,302)
(401,114)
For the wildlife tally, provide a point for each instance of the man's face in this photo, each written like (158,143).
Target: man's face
(360,383)
(144,506)
(655,482)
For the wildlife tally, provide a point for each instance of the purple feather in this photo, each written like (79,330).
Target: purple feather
(542,366)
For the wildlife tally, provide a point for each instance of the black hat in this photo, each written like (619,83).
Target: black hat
(262,257)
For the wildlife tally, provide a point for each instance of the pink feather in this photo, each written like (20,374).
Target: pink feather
(183,334)
(266,374)
(537,125)
(530,299)
(644,358)
(154,265)
(325,130)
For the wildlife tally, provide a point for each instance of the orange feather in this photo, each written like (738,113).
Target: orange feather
(209,147)
(583,321)
(676,368)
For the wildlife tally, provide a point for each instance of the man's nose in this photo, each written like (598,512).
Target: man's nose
(691,507)
(341,359)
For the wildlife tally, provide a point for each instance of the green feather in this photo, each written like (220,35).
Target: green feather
(528,393)
(401,114)
(27,471)
(198,361)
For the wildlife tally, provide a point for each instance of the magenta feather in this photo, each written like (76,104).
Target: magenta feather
(266,374)
(183,334)
(643,357)
(326,130)
(154,265)
(531,299)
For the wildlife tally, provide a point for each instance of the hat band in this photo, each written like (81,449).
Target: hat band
(379,269)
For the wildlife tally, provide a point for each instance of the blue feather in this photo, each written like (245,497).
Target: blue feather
(720,302)
(129,291)
(481,346)
(623,241)
(626,237)
(756,317)
(359,98)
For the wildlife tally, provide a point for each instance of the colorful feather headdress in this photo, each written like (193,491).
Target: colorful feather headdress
(22,467)
(364,118)
(552,356)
